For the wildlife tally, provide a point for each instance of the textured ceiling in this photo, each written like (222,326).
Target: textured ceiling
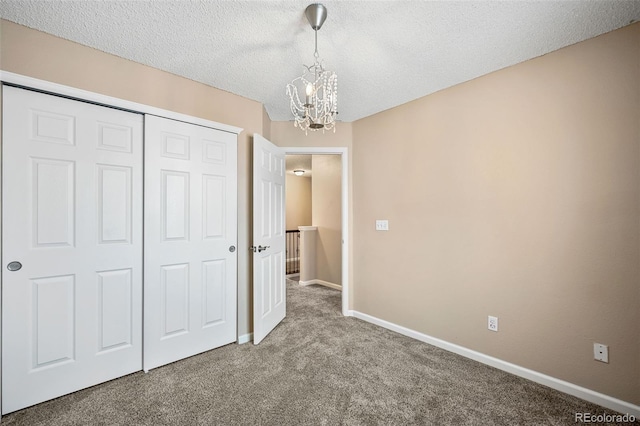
(302,162)
(384,52)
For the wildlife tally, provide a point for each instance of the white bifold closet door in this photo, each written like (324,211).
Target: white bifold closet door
(72,246)
(190,240)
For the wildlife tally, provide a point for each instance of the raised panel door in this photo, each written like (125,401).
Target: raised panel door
(72,197)
(269,289)
(190,228)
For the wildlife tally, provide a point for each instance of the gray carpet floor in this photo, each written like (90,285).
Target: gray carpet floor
(315,368)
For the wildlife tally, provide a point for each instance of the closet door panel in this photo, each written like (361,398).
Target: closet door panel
(72,218)
(190,238)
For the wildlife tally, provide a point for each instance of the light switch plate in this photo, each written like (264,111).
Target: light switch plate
(382,225)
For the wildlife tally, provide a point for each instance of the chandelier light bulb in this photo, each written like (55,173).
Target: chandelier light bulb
(308,101)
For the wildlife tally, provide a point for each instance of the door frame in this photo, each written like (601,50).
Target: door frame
(343,152)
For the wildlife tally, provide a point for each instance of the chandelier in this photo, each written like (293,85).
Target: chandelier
(319,86)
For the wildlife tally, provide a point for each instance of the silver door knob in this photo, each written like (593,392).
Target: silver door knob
(14,266)
(262,248)
(232,249)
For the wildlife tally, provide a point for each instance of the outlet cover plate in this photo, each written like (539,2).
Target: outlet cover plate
(492,323)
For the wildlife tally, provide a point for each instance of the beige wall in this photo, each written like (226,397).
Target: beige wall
(266,124)
(36,54)
(298,201)
(283,133)
(327,216)
(515,195)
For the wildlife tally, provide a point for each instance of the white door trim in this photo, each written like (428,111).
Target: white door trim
(343,152)
(87,96)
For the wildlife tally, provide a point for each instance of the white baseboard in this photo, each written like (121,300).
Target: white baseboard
(321,282)
(552,382)
(245,338)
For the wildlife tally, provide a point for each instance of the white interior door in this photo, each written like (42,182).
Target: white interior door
(72,217)
(269,289)
(190,237)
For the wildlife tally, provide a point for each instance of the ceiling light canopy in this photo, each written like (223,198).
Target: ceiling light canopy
(298,172)
(319,86)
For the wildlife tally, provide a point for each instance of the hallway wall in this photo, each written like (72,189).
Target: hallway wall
(326,215)
(298,201)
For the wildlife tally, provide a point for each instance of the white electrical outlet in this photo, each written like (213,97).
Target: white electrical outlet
(382,225)
(601,352)
(492,323)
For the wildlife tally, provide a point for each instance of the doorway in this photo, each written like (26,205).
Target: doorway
(314,218)
(324,156)
(298,209)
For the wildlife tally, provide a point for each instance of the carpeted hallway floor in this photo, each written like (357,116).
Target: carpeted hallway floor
(315,368)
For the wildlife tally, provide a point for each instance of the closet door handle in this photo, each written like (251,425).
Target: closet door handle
(14,266)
